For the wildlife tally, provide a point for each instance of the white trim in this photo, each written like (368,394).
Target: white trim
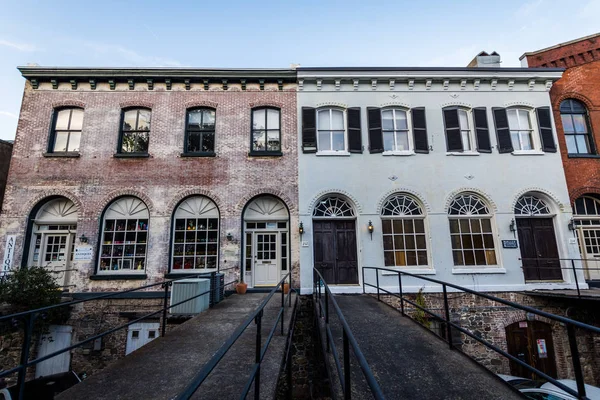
(330,129)
(462,153)
(426,270)
(528,153)
(479,270)
(332,153)
(399,153)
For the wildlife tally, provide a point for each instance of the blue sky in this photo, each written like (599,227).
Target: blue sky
(274,34)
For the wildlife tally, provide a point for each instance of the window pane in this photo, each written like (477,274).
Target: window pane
(526,140)
(337,120)
(458,258)
(258,119)
(62,119)
(388,141)
(387,226)
(129,119)
(193,142)
(466,140)
(324,120)
(398,226)
(582,143)
(420,242)
(422,257)
(486,225)
(410,242)
(514,137)
(60,142)
(388,257)
(480,257)
(464,226)
(402,140)
(208,142)
(76,120)
(398,242)
(513,122)
(467,242)
(579,123)
(272,119)
(387,122)
(388,242)
(401,120)
(524,119)
(455,239)
(273,141)
(454,226)
(567,123)
(463,120)
(571,146)
(408,226)
(490,256)
(258,141)
(419,226)
(475,226)
(488,241)
(338,140)
(324,141)
(144,121)
(478,241)
(411,258)
(194,118)
(469,257)
(74,141)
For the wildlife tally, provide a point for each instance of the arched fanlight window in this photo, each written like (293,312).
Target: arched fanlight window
(333,206)
(531,205)
(587,205)
(124,236)
(404,240)
(471,231)
(196,235)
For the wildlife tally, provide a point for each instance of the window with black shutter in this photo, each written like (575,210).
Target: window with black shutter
(375,133)
(419,126)
(545,126)
(354,131)
(502,130)
(309,130)
(482,132)
(453,130)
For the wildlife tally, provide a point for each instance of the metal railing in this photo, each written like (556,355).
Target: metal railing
(28,319)
(348,340)
(261,349)
(569,323)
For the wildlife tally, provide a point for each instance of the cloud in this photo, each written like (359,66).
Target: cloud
(18,46)
(9,114)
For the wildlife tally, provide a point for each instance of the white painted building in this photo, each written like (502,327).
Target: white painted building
(450,166)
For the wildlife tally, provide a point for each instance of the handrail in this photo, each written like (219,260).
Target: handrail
(570,324)
(348,341)
(261,350)
(29,317)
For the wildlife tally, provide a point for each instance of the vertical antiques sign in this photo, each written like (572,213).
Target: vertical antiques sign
(9,253)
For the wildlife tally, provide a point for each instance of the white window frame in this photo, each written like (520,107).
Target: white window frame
(411,146)
(533,132)
(342,152)
(470,131)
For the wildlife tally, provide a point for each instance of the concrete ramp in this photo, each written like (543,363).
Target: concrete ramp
(407,361)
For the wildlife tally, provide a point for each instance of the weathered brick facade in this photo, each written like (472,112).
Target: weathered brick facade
(5,154)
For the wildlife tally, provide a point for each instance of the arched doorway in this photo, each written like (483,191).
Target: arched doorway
(266,240)
(334,236)
(587,222)
(537,240)
(53,237)
(531,342)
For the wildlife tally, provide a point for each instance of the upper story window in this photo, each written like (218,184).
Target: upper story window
(135,131)
(394,125)
(576,127)
(266,131)
(331,130)
(520,128)
(467,130)
(516,134)
(66,130)
(200,131)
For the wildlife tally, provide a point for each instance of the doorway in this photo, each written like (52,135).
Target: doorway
(589,243)
(539,250)
(266,258)
(531,342)
(335,251)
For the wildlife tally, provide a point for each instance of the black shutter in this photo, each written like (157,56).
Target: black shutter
(375,133)
(309,130)
(354,131)
(482,132)
(452,126)
(545,126)
(502,130)
(419,130)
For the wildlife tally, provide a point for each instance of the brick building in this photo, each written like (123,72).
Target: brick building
(5,154)
(576,106)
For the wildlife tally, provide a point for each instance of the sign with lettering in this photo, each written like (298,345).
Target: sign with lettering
(83,253)
(9,253)
(510,244)
(541,348)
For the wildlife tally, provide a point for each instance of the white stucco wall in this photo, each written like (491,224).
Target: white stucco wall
(434,178)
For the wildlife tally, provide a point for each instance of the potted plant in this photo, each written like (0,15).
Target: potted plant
(241,287)
(286,288)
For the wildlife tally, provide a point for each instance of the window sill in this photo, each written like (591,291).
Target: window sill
(417,271)
(528,153)
(479,270)
(333,153)
(583,155)
(131,155)
(118,277)
(66,154)
(398,153)
(203,154)
(265,154)
(191,274)
(462,153)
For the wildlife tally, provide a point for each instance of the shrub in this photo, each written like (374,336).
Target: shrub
(419,315)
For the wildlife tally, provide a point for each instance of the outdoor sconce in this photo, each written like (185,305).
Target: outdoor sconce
(370,229)
(229,236)
(83,238)
(571,225)
(512,227)
(301,229)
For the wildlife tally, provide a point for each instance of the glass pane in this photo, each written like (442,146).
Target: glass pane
(272,119)
(337,120)
(421,242)
(408,226)
(324,141)
(74,141)
(193,144)
(486,225)
(60,142)
(386,226)
(478,241)
(323,123)
(458,258)
(208,119)
(258,119)
(475,226)
(579,123)
(129,118)
(567,123)
(410,242)
(195,118)
(62,119)
(338,140)
(76,120)
(398,242)
(464,226)
(526,141)
(401,120)
(208,142)
(411,258)
(480,257)
(144,121)
(388,141)
(488,241)
(388,257)
(258,141)
(455,239)
(571,146)
(467,241)
(514,137)
(273,141)
(387,120)
(419,226)
(454,226)
(402,140)
(513,122)
(463,120)
(469,258)
(398,226)
(581,143)
(422,257)
(524,119)
(466,140)
(388,242)
(490,256)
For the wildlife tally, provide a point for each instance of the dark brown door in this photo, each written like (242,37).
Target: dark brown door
(538,249)
(531,342)
(335,251)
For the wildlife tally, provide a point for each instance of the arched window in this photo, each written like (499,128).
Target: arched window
(529,205)
(124,237)
(587,205)
(576,127)
(266,132)
(200,132)
(135,131)
(333,206)
(471,231)
(196,235)
(404,241)
(66,131)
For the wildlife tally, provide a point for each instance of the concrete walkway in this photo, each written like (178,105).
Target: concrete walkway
(165,366)
(407,361)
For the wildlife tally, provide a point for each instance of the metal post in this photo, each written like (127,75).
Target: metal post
(290,296)
(363,281)
(289,375)
(27,333)
(377,276)
(282,306)
(319,297)
(327,315)
(258,321)
(164,313)
(400,290)
(347,385)
(575,275)
(447,308)
(576,361)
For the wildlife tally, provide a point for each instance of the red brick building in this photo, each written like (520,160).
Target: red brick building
(5,154)
(576,105)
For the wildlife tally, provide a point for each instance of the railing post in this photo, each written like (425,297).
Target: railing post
(575,275)
(27,334)
(164,313)
(347,383)
(319,297)
(576,361)
(282,305)
(327,314)
(447,309)
(377,276)
(289,375)
(290,286)
(400,291)
(258,321)
(363,279)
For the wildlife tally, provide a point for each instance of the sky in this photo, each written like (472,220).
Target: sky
(274,34)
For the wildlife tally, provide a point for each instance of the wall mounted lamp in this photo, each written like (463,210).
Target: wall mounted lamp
(229,236)
(370,229)
(513,227)
(571,225)
(83,238)
(301,229)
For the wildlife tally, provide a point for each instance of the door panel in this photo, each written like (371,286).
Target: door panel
(538,249)
(346,264)
(335,251)
(58,338)
(266,258)
(324,248)
(589,243)
(525,340)
(140,334)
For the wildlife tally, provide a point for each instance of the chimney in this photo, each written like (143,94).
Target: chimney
(485,60)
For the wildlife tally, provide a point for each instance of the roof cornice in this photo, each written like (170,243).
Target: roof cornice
(556,46)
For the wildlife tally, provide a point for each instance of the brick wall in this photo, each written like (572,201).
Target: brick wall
(5,154)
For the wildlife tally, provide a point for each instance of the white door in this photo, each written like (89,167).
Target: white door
(266,258)
(58,338)
(589,240)
(140,334)
(56,256)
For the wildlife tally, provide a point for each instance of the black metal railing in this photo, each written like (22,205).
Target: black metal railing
(348,340)
(28,319)
(569,323)
(261,349)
